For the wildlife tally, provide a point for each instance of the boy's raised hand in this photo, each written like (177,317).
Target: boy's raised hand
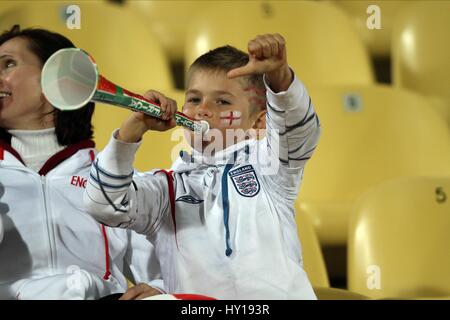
(267,55)
(138,123)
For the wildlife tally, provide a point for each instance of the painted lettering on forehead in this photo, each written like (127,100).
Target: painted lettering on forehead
(255,90)
(257,101)
(230,118)
(257,96)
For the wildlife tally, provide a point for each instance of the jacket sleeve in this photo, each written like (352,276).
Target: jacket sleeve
(75,284)
(142,264)
(118,197)
(293,130)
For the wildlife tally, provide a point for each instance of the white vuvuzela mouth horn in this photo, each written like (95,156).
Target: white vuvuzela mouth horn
(205,127)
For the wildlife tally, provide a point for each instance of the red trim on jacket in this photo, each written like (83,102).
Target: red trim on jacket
(5,146)
(104,234)
(92,155)
(169,176)
(105,238)
(64,154)
(54,160)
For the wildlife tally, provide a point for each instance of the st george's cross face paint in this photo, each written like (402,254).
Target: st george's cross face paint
(230,118)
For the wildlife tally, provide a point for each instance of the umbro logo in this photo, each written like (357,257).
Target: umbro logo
(189,199)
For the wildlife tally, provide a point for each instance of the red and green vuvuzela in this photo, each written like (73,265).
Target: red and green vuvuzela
(70,79)
(108,92)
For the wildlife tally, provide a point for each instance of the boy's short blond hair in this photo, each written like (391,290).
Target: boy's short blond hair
(224,59)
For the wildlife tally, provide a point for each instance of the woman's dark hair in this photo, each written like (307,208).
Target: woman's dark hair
(70,126)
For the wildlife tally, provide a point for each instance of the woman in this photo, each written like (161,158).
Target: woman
(51,249)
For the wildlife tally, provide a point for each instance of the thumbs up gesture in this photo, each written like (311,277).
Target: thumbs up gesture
(267,55)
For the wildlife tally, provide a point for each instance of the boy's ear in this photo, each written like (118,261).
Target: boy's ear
(260,120)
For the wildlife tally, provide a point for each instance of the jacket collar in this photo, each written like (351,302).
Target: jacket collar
(6,146)
(187,162)
(64,154)
(54,160)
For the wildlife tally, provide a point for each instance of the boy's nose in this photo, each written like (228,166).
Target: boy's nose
(203,111)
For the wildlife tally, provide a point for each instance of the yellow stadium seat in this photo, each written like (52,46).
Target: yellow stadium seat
(164,20)
(322,46)
(399,240)
(369,134)
(313,261)
(337,294)
(421,50)
(125,52)
(363,15)
(8,5)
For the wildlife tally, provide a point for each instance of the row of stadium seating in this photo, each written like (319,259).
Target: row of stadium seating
(324,45)
(133,43)
(326,49)
(382,167)
(398,241)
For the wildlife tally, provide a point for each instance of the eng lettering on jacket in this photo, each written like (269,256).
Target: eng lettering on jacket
(78,181)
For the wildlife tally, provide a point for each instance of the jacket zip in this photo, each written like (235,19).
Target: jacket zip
(48,219)
(49,222)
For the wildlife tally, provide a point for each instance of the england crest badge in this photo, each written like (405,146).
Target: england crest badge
(245,181)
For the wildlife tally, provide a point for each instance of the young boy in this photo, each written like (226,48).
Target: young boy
(221,226)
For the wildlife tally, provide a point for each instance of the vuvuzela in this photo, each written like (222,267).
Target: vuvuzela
(70,79)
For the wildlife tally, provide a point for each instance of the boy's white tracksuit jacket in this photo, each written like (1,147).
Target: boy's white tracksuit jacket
(53,249)
(223,226)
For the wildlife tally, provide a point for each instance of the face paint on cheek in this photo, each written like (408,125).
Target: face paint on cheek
(230,118)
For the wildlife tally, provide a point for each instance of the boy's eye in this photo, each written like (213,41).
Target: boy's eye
(221,101)
(193,100)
